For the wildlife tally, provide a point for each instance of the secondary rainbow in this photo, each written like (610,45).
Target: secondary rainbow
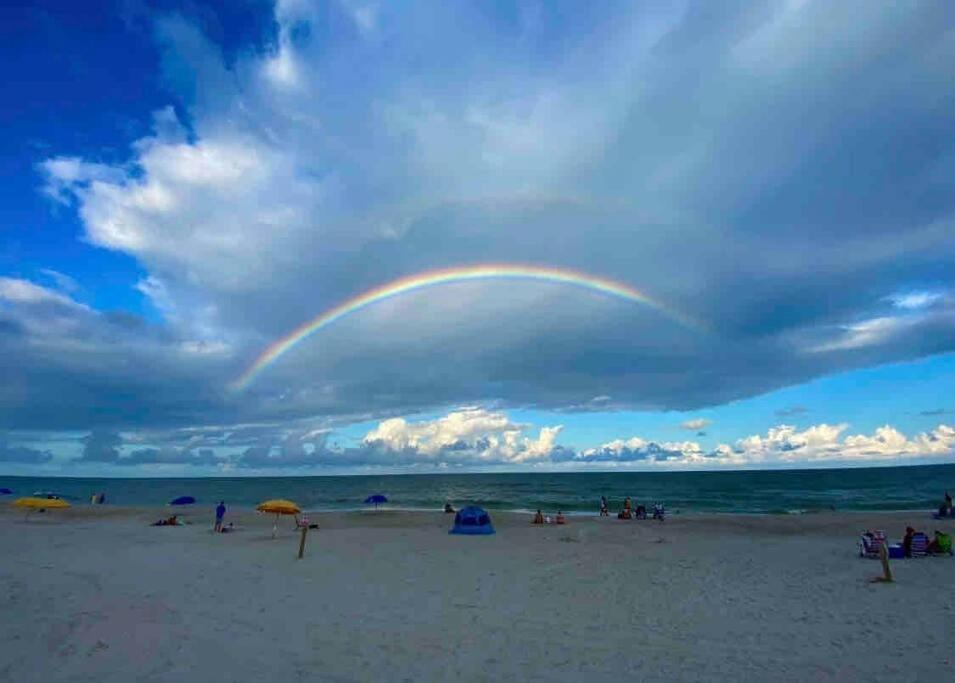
(446,276)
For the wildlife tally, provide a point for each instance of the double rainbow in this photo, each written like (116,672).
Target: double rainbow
(445,276)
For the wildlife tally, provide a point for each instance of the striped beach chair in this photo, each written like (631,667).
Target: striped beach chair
(919,545)
(869,545)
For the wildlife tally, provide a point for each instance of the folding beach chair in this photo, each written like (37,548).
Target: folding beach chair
(919,545)
(869,545)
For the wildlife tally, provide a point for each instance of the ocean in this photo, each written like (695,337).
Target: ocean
(775,492)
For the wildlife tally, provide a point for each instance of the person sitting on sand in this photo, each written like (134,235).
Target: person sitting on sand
(640,512)
(538,518)
(941,544)
(560,518)
(448,510)
(604,509)
(169,521)
(625,514)
(227,529)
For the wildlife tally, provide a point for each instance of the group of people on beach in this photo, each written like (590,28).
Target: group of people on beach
(630,511)
(540,518)
(939,545)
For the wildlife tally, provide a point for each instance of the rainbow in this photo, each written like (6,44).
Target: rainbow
(445,276)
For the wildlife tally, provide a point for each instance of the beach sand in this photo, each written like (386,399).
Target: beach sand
(94,594)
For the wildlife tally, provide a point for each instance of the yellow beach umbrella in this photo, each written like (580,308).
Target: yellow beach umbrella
(278,506)
(33,503)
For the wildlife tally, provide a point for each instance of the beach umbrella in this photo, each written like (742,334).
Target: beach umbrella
(182,500)
(376,500)
(32,503)
(5,491)
(278,506)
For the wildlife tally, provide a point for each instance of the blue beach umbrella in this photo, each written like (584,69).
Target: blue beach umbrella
(5,491)
(182,500)
(376,500)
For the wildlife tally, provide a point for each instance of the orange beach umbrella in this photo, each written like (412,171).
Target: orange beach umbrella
(32,503)
(278,506)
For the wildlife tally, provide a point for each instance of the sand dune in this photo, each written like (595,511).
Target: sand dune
(96,594)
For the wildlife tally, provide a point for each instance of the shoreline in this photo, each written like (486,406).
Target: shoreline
(681,512)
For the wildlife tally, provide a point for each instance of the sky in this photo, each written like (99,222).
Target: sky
(745,211)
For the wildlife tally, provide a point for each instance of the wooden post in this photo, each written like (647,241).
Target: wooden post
(301,543)
(884,556)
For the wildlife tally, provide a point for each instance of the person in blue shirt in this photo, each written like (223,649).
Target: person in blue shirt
(220,513)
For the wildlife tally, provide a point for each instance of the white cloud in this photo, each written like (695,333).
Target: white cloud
(915,300)
(474,433)
(825,442)
(781,445)
(413,137)
(696,424)
(25,292)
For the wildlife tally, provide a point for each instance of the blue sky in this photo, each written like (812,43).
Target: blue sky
(183,183)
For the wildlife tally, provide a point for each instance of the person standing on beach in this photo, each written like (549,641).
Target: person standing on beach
(604,510)
(220,513)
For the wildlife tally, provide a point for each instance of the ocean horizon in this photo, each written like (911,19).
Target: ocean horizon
(896,488)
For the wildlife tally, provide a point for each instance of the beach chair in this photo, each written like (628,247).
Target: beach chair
(869,545)
(919,545)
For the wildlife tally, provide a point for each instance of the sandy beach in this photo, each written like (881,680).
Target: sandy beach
(95,594)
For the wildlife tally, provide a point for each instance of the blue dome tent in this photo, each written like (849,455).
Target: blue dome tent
(472,521)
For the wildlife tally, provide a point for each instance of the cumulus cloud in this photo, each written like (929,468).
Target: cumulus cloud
(783,444)
(695,424)
(475,438)
(306,171)
(636,449)
(204,457)
(474,433)
(101,447)
(826,442)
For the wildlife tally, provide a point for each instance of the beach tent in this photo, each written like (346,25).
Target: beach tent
(182,500)
(376,500)
(472,521)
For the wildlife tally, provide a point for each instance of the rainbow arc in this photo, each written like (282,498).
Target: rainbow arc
(434,278)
